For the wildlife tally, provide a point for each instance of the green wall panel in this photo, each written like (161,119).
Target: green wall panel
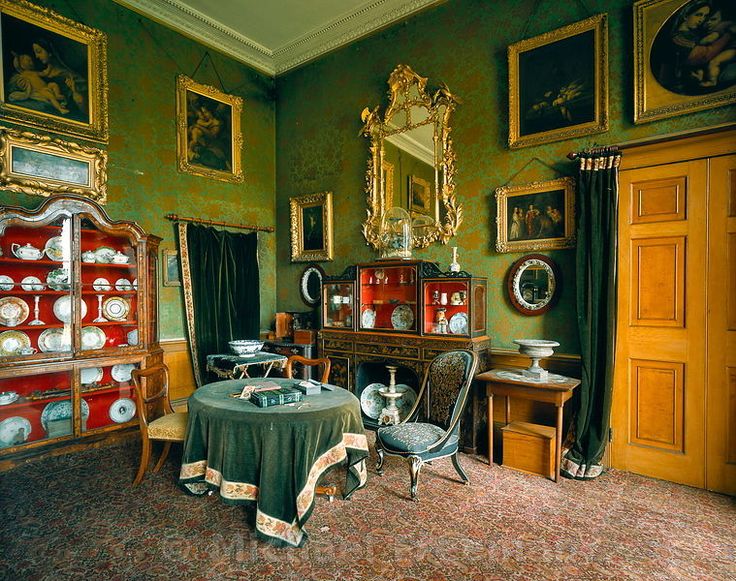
(462,43)
(144,59)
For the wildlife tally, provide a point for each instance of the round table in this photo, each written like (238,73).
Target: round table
(273,455)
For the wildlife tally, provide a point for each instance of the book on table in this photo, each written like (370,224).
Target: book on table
(279,396)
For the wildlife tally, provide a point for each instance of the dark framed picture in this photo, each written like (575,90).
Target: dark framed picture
(421,198)
(558,84)
(311,227)
(54,71)
(170,268)
(536,216)
(685,57)
(209,141)
(44,166)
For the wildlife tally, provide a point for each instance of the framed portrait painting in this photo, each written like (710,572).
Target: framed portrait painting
(422,201)
(558,84)
(684,57)
(311,227)
(54,71)
(536,216)
(170,268)
(208,131)
(44,166)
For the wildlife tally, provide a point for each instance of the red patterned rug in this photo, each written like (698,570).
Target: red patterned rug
(77,517)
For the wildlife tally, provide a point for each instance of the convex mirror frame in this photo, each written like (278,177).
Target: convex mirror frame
(534,284)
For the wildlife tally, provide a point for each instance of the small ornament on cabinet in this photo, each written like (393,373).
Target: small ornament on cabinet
(454,265)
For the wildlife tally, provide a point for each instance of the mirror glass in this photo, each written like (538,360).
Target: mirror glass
(411,165)
(310,284)
(533,284)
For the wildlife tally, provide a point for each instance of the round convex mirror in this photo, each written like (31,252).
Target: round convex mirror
(534,284)
(310,284)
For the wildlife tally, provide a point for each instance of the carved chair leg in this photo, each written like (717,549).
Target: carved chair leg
(145,457)
(162,459)
(459,469)
(415,466)
(379,463)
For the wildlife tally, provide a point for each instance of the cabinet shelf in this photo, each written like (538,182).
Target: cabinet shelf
(95,265)
(41,261)
(104,389)
(389,302)
(31,327)
(20,291)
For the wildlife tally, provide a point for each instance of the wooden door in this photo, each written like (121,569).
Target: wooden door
(721,402)
(658,415)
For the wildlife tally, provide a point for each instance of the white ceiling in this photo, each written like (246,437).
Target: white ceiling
(275,36)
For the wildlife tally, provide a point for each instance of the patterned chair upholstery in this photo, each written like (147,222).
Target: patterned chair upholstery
(448,378)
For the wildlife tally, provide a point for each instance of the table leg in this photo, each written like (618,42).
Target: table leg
(490,429)
(558,444)
(269,366)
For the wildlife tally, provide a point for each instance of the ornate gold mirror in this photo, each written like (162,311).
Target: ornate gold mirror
(412,162)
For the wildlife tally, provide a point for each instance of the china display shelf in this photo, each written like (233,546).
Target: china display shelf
(42,261)
(32,327)
(94,265)
(448,306)
(389,302)
(22,401)
(107,388)
(109,323)
(109,292)
(20,291)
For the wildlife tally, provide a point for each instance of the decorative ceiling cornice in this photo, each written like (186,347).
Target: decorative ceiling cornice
(339,32)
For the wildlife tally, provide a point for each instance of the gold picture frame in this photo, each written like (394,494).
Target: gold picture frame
(54,72)
(311,227)
(679,65)
(563,100)
(44,166)
(209,140)
(170,273)
(422,200)
(536,216)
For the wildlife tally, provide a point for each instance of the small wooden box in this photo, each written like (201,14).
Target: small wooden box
(305,336)
(284,325)
(529,448)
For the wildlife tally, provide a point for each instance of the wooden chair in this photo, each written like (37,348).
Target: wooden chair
(168,426)
(327,490)
(323,361)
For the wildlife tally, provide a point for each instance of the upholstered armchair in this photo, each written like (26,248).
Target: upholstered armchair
(448,379)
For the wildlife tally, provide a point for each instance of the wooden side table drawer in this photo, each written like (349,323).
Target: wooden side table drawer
(529,448)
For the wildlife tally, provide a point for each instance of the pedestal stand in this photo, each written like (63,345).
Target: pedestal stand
(390,413)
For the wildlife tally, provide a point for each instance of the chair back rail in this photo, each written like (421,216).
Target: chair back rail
(322,361)
(143,399)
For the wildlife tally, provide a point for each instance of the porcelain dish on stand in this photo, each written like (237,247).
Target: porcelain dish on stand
(61,410)
(63,309)
(116,308)
(31,283)
(58,279)
(90,375)
(368,319)
(402,318)
(6,283)
(13,311)
(14,430)
(122,410)
(12,342)
(458,324)
(371,401)
(93,338)
(55,340)
(8,397)
(121,372)
(54,248)
(101,284)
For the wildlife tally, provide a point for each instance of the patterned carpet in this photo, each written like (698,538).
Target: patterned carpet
(77,517)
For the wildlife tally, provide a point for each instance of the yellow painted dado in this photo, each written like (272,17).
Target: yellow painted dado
(177,358)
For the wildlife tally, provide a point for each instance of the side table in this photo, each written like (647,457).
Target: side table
(512,384)
(227,366)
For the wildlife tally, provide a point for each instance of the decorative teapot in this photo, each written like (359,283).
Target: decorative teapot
(26,252)
(88,256)
(120,258)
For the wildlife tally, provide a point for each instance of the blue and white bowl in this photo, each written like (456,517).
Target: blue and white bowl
(245,347)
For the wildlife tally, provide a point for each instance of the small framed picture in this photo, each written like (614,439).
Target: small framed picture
(558,84)
(209,141)
(684,57)
(422,201)
(170,268)
(311,227)
(536,216)
(43,166)
(54,71)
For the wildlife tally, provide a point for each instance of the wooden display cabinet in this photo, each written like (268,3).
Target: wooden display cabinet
(78,301)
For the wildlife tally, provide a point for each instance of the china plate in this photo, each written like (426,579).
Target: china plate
(402,318)
(121,372)
(54,248)
(55,340)
(133,337)
(123,284)
(101,284)
(14,430)
(6,283)
(368,319)
(91,375)
(371,401)
(93,338)
(104,254)
(63,309)
(458,324)
(11,342)
(13,311)
(116,308)
(122,410)
(61,410)
(31,283)
(58,279)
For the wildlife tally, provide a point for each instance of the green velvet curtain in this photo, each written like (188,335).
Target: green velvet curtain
(221,290)
(595,264)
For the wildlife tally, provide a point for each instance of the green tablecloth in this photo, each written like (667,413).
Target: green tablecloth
(272,455)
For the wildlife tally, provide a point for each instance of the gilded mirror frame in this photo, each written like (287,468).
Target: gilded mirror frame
(407,92)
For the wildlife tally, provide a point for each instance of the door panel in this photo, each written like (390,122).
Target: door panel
(658,282)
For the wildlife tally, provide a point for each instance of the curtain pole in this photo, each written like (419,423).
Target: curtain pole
(573,155)
(177,218)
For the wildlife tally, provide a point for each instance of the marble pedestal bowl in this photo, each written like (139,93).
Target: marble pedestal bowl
(536,349)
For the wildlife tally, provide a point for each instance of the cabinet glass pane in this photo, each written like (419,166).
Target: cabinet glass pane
(339,305)
(109,394)
(109,289)
(36,407)
(36,306)
(446,307)
(388,298)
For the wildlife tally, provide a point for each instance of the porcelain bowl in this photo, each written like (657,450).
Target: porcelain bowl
(245,347)
(7,397)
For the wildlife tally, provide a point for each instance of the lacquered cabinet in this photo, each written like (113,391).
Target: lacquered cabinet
(77,315)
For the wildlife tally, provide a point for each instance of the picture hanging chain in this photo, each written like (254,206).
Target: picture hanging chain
(214,68)
(533,13)
(160,47)
(527,164)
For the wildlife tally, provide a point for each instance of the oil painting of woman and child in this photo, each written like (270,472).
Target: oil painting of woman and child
(536,216)
(694,52)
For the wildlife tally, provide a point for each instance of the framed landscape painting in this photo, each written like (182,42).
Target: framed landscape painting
(209,141)
(684,57)
(311,227)
(536,216)
(54,71)
(558,84)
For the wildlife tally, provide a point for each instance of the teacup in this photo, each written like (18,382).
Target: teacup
(27,351)
(88,256)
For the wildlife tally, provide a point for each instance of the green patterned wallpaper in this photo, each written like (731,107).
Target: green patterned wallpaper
(462,43)
(144,59)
